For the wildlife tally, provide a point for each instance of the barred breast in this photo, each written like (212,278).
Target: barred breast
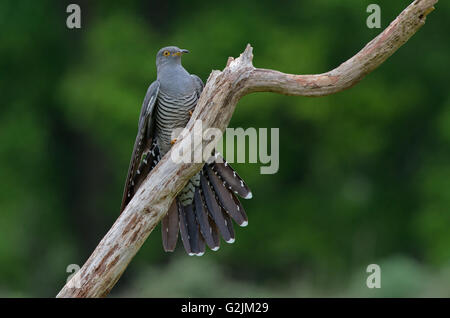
(172,112)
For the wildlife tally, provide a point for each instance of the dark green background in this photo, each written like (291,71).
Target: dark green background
(364,174)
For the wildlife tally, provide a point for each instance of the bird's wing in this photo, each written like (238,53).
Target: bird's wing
(144,142)
(198,84)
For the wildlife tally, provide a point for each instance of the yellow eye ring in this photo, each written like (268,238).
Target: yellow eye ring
(166,53)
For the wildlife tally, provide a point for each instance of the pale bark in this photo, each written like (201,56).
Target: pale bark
(215,108)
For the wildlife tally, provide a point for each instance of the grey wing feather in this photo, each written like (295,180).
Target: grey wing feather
(143,139)
(198,84)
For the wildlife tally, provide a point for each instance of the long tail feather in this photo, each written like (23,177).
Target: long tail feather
(225,196)
(214,209)
(202,218)
(195,239)
(231,178)
(215,234)
(229,226)
(241,211)
(184,230)
(169,228)
(201,245)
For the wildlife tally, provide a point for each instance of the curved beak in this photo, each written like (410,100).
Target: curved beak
(183,51)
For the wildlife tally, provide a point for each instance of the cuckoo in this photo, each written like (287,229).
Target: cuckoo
(203,210)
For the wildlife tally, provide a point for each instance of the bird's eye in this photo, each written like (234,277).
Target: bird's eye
(166,53)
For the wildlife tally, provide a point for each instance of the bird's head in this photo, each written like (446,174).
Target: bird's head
(169,55)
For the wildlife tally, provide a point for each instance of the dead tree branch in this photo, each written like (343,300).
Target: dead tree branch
(215,108)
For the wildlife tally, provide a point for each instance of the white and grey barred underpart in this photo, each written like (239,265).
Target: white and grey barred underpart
(172,113)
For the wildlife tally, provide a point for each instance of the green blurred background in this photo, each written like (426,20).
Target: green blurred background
(364,174)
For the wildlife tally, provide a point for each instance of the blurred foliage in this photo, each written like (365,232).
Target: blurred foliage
(203,278)
(364,174)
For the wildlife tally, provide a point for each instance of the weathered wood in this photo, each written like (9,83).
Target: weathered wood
(215,108)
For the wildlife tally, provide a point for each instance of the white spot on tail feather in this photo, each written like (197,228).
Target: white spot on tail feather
(244,224)
(249,196)
(231,240)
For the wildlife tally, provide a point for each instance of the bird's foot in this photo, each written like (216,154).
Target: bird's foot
(173,141)
(190,113)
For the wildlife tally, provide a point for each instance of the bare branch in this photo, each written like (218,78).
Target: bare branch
(353,70)
(215,108)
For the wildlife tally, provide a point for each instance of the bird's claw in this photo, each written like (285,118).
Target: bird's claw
(173,141)
(190,113)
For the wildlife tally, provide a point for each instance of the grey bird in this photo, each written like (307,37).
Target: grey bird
(208,202)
